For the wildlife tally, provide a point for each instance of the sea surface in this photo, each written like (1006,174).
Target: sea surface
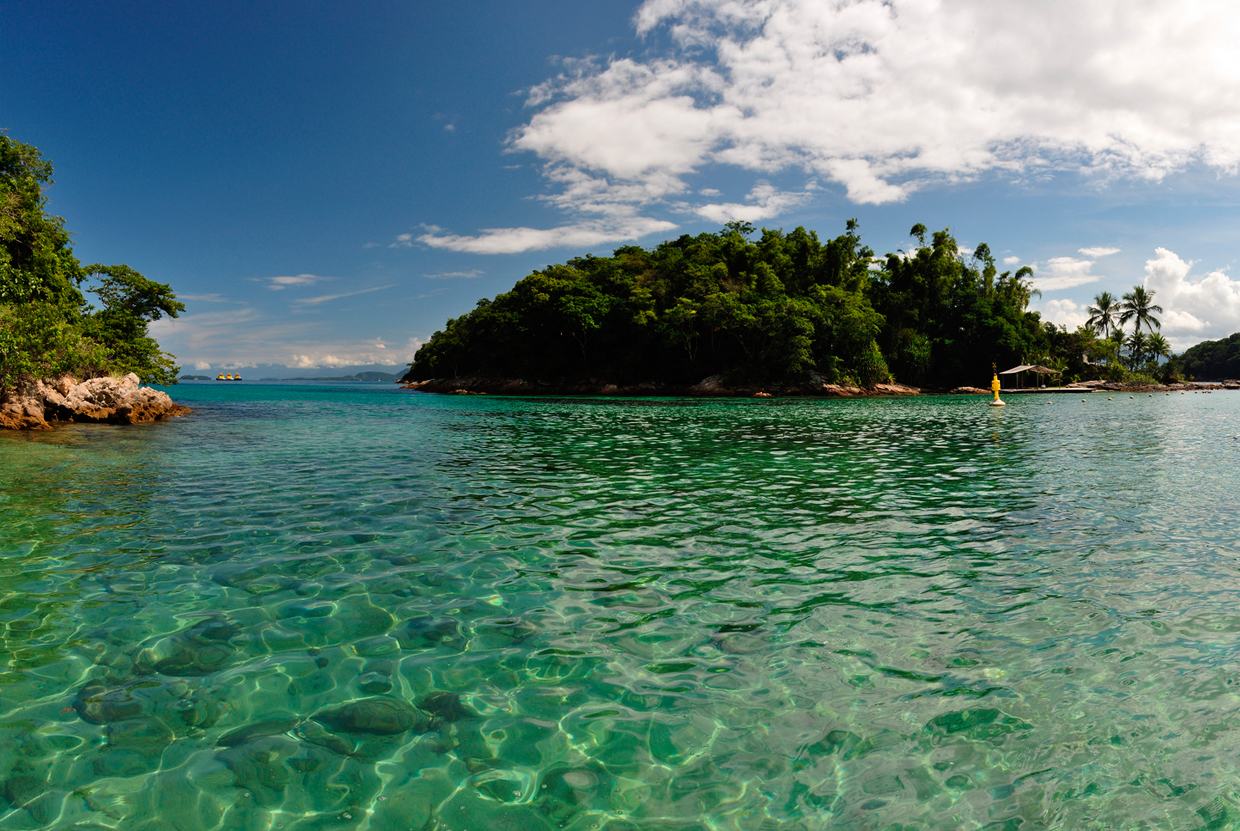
(353,607)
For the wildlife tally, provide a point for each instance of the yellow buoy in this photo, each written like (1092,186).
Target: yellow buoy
(994,387)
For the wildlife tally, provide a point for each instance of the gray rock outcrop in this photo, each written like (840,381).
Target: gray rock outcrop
(99,400)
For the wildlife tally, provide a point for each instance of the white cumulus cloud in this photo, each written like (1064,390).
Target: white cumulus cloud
(1194,309)
(1098,252)
(764,201)
(1063,313)
(881,97)
(516,240)
(1063,273)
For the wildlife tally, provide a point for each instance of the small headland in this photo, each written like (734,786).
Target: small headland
(714,386)
(106,400)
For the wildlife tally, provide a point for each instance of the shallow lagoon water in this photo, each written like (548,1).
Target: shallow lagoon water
(311,607)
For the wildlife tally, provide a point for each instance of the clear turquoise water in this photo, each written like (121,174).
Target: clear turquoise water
(342,607)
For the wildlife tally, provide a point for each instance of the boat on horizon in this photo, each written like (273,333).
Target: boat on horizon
(228,377)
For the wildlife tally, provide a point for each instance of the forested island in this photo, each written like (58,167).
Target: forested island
(51,338)
(1213,360)
(735,310)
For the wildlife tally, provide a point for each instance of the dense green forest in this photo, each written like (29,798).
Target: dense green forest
(1213,360)
(763,310)
(47,328)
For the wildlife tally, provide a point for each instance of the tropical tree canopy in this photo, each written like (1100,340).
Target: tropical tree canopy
(1139,305)
(1103,313)
(46,326)
(1212,359)
(758,310)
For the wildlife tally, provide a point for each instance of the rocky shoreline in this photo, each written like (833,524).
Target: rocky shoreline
(714,386)
(1108,386)
(96,401)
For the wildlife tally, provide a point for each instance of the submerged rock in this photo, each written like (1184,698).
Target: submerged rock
(99,400)
(267,727)
(446,706)
(202,708)
(375,683)
(313,733)
(259,767)
(199,650)
(132,747)
(99,704)
(21,788)
(427,632)
(380,716)
(148,736)
(504,632)
(984,724)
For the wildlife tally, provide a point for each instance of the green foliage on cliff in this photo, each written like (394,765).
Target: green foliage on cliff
(764,310)
(1211,360)
(46,326)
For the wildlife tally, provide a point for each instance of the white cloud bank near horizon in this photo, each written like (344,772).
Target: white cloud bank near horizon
(880,97)
(247,337)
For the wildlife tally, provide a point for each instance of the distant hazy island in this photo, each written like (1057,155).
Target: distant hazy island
(725,313)
(359,378)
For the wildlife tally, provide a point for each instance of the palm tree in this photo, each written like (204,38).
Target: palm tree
(1157,347)
(1139,304)
(1102,314)
(1138,344)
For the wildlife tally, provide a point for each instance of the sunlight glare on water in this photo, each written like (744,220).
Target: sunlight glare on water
(355,607)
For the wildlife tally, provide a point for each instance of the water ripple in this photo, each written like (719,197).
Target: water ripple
(312,607)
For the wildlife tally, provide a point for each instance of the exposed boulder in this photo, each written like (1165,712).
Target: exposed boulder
(895,389)
(99,400)
(710,385)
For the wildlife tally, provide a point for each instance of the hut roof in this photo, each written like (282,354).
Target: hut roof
(1041,370)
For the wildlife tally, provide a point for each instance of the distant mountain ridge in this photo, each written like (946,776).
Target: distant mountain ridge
(359,378)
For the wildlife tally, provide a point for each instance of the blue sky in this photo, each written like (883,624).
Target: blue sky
(324,185)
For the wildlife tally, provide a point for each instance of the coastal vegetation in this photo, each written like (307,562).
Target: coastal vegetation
(1211,359)
(776,307)
(47,327)
(1134,357)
